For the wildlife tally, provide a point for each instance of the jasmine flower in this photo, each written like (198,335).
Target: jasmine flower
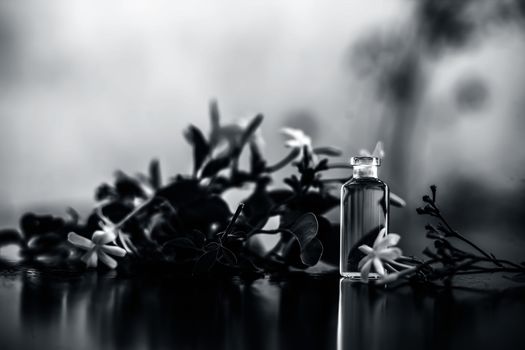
(98,247)
(299,141)
(378,151)
(382,251)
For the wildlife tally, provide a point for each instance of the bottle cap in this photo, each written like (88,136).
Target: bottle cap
(365,161)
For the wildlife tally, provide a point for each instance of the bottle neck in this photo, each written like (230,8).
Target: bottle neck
(365,171)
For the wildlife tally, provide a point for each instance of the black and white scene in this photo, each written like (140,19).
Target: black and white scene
(281,174)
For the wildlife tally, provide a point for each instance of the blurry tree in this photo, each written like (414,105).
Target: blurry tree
(399,64)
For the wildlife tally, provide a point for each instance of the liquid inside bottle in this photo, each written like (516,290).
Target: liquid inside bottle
(364,212)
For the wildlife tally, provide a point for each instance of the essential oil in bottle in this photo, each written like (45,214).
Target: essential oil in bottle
(364,212)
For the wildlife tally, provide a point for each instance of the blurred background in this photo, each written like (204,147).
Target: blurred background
(90,87)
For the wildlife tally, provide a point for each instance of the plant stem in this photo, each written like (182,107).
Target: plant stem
(461,237)
(240,207)
(283,162)
(401,265)
(134,212)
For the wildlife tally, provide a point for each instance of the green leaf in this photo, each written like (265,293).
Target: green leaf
(201,148)
(154,174)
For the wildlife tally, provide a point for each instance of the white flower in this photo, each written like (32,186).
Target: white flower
(301,141)
(378,151)
(98,247)
(298,138)
(382,251)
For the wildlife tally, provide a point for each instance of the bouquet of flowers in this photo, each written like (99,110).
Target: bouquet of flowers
(185,226)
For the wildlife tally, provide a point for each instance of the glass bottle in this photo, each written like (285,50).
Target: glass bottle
(364,212)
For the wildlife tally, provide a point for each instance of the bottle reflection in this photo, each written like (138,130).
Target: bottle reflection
(361,322)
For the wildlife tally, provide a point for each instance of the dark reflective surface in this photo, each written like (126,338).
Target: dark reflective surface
(93,311)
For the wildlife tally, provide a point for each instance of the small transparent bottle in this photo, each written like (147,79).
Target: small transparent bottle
(364,212)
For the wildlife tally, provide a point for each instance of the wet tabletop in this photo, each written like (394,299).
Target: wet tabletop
(46,310)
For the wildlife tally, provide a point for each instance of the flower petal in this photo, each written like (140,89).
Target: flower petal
(365,249)
(380,237)
(113,250)
(106,259)
(363,261)
(390,253)
(390,240)
(378,151)
(365,270)
(293,133)
(299,138)
(79,241)
(90,258)
(378,265)
(103,237)
(293,144)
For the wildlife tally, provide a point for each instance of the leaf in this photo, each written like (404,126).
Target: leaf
(280,195)
(293,182)
(328,151)
(45,241)
(205,262)
(322,165)
(315,202)
(258,205)
(154,174)
(305,231)
(31,224)
(214,115)
(257,162)
(214,166)
(200,214)
(328,234)
(312,253)
(201,148)
(251,128)
(104,191)
(181,191)
(127,186)
(10,236)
